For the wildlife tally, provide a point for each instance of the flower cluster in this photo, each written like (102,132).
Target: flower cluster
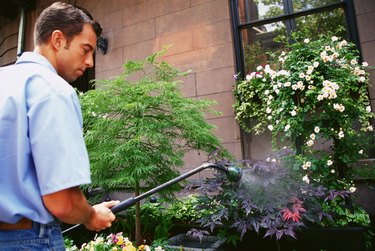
(113,242)
(318,97)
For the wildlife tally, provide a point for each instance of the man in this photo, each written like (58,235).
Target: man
(43,158)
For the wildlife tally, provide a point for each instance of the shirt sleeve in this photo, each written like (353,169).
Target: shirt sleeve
(56,142)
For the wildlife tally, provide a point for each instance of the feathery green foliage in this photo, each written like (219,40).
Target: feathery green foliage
(138,126)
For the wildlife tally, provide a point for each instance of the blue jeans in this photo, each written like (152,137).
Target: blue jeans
(41,237)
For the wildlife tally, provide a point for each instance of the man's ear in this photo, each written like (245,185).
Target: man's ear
(57,39)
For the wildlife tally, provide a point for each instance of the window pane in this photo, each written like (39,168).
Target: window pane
(299,5)
(259,42)
(251,10)
(322,22)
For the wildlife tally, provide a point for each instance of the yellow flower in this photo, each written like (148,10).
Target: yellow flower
(129,248)
(120,240)
(141,247)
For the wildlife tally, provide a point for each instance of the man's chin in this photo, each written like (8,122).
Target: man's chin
(70,79)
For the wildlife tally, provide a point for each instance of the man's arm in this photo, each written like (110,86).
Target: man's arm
(71,206)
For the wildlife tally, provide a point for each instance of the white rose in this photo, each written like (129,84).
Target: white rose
(310,142)
(306,179)
(352,189)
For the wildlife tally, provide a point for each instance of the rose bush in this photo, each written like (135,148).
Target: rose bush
(316,96)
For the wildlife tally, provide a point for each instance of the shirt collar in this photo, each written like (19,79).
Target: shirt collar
(33,57)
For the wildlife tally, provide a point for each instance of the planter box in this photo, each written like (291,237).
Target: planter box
(329,239)
(209,243)
(310,239)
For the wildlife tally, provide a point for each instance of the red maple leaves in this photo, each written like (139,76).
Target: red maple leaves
(294,213)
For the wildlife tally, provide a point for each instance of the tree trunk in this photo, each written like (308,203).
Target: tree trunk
(137,217)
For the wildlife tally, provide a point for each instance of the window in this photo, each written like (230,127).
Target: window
(260,26)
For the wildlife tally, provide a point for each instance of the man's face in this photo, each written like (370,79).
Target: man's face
(73,58)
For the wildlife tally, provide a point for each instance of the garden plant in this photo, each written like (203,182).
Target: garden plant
(313,98)
(317,98)
(138,127)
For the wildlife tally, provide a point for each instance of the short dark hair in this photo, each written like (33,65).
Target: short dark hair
(65,17)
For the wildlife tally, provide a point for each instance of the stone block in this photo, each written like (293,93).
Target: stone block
(216,80)
(110,74)
(188,86)
(104,7)
(226,129)
(209,12)
(151,9)
(131,34)
(368,52)
(139,51)
(364,6)
(204,59)
(212,34)
(366,25)
(9,58)
(113,59)
(111,21)
(224,102)
(129,3)
(8,43)
(179,42)
(198,2)
(235,149)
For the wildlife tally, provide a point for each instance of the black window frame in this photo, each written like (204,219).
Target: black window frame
(288,17)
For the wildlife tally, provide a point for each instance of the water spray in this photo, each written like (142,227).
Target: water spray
(233,174)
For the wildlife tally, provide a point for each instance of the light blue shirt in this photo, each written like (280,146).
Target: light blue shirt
(42,149)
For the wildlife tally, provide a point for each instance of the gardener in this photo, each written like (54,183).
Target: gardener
(43,158)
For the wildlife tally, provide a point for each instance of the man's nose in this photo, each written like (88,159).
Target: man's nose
(89,61)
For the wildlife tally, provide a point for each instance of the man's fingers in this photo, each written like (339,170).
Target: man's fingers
(111,203)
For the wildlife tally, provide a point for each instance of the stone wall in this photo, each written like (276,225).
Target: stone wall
(365,12)
(8,41)
(199,34)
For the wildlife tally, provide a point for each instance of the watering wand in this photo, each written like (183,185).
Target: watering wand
(233,173)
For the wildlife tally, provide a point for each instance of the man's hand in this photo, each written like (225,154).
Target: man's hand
(101,216)
(70,206)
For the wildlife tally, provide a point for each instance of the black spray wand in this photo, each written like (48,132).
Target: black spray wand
(233,173)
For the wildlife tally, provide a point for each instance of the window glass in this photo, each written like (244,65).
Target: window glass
(322,22)
(251,10)
(299,5)
(259,42)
